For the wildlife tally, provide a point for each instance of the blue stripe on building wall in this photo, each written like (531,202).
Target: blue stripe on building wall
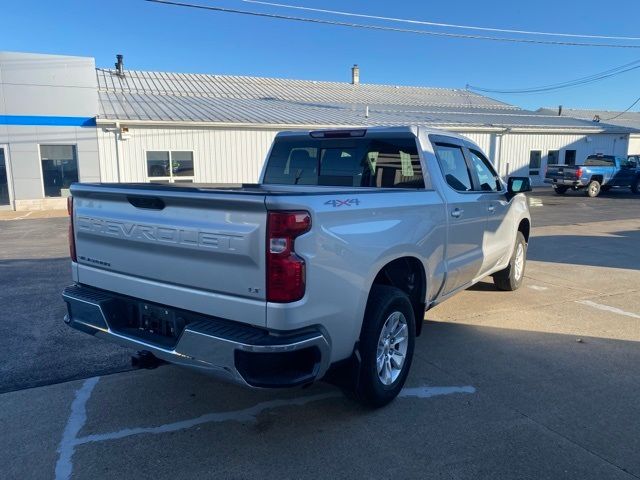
(41,120)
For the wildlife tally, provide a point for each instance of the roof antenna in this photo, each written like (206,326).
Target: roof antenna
(119,65)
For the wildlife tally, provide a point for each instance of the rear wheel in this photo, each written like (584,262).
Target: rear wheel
(593,189)
(560,189)
(511,277)
(386,346)
(635,186)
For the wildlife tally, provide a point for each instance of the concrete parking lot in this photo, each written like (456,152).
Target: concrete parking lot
(540,383)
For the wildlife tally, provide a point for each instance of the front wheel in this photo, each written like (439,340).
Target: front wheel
(386,346)
(635,186)
(593,189)
(511,277)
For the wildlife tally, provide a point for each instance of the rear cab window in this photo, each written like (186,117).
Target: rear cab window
(600,161)
(369,161)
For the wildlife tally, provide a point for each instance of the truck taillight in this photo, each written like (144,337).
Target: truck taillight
(579,173)
(285,270)
(72,238)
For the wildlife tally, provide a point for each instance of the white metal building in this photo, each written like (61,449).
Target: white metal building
(63,120)
(629,120)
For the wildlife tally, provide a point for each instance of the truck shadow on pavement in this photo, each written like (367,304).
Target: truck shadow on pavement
(613,250)
(544,405)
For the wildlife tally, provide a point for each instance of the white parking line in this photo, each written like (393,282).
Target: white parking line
(607,308)
(428,392)
(76,421)
(78,417)
(537,288)
(247,414)
(22,217)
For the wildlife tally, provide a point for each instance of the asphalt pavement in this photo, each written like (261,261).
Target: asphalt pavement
(36,347)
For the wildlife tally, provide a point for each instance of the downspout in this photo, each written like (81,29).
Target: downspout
(498,153)
(118,153)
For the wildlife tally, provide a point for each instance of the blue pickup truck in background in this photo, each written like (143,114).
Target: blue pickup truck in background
(598,173)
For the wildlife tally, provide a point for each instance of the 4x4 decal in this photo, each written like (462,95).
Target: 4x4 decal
(349,202)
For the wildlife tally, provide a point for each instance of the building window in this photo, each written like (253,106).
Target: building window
(172,166)
(59,169)
(553,157)
(4,181)
(535,161)
(570,157)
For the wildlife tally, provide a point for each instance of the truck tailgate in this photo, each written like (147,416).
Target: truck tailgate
(201,251)
(562,172)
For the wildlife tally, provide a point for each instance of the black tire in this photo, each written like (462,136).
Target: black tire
(593,189)
(507,279)
(369,389)
(560,189)
(635,186)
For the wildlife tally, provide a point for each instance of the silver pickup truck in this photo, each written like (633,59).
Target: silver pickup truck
(327,265)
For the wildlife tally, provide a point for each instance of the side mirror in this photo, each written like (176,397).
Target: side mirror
(517,185)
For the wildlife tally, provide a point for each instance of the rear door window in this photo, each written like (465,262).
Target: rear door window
(454,166)
(361,162)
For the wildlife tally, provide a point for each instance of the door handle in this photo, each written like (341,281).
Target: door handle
(492,208)
(457,213)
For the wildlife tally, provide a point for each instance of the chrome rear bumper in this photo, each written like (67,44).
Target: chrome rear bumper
(564,181)
(230,351)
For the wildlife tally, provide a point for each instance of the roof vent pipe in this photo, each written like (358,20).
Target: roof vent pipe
(355,75)
(559,110)
(119,65)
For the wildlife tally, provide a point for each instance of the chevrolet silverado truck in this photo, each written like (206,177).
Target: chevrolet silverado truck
(598,173)
(327,265)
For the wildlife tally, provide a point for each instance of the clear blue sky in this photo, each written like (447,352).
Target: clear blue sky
(159,37)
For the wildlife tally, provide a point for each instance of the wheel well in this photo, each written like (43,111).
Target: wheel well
(407,274)
(597,178)
(525,229)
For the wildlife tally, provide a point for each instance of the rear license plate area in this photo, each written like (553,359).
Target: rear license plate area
(161,321)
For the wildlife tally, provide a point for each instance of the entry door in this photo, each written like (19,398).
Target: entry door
(5,198)
(466,213)
(536,168)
